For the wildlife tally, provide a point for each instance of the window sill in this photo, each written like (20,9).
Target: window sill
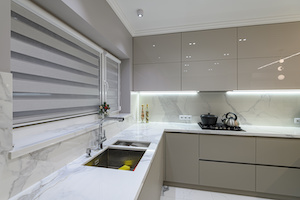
(32,138)
(29,139)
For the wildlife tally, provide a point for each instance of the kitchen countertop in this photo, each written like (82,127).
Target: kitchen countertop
(249,130)
(75,181)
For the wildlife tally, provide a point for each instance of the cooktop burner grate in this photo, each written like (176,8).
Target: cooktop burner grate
(220,126)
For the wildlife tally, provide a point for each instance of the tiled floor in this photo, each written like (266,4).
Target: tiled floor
(175,193)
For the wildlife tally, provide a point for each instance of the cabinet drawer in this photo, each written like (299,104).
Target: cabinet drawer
(278,151)
(227,175)
(278,180)
(227,148)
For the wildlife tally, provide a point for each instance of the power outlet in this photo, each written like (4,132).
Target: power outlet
(296,120)
(185,117)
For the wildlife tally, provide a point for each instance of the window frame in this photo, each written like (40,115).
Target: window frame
(105,85)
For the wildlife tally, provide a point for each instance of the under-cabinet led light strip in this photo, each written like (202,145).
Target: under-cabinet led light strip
(255,92)
(168,92)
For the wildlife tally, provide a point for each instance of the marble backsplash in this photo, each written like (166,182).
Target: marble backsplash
(251,109)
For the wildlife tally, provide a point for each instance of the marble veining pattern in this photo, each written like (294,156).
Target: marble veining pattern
(5,127)
(251,109)
(75,181)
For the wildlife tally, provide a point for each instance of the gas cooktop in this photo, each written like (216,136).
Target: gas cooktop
(220,126)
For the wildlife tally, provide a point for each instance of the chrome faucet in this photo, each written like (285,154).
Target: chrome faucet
(101,136)
(88,152)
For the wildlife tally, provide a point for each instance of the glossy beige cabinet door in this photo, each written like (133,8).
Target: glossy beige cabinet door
(227,175)
(278,152)
(276,76)
(157,77)
(218,75)
(269,40)
(209,45)
(182,158)
(269,56)
(157,63)
(278,180)
(227,148)
(157,48)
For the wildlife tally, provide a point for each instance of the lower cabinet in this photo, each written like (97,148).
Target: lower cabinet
(151,189)
(238,149)
(278,152)
(227,175)
(182,160)
(278,180)
(258,165)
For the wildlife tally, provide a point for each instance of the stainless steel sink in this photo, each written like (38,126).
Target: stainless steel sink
(116,158)
(132,143)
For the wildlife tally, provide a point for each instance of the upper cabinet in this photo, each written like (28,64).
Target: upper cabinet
(272,40)
(261,57)
(218,75)
(209,60)
(157,49)
(268,56)
(209,45)
(157,63)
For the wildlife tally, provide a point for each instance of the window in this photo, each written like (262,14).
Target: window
(112,82)
(55,75)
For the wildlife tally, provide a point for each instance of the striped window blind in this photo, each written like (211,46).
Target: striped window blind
(54,74)
(112,80)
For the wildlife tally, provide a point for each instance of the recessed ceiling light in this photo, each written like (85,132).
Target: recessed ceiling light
(140,13)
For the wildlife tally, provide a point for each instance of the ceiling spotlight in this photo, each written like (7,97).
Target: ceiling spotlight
(140,13)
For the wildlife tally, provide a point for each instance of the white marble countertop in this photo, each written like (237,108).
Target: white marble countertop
(75,181)
(249,130)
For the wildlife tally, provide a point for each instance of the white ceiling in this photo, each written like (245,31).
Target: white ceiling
(167,16)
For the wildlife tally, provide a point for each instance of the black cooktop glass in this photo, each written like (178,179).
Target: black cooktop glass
(220,126)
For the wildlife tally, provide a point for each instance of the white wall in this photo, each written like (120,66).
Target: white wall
(5,35)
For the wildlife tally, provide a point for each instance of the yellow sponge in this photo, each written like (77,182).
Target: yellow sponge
(128,162)
(124,167)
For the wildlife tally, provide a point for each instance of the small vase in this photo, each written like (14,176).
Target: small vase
(101,116)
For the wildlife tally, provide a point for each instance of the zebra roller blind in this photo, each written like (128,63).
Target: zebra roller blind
(54,74)
(113,83)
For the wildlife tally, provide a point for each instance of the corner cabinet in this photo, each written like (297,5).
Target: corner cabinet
(157,63)
(181,150)
(269,56)
(209,60)
(153,183)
